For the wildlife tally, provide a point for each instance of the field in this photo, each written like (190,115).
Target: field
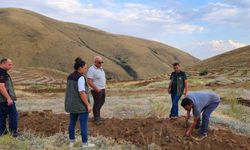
(135,113)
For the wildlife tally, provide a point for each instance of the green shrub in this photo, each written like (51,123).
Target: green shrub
(203,72)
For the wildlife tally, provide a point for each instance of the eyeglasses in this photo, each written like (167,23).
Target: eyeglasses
(100,62)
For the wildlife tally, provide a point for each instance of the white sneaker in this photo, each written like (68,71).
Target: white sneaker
(88,145)
(71,144)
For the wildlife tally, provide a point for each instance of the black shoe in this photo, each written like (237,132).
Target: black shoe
(197,127)
(101,119)
(5,132)
(15,134)
(98,122)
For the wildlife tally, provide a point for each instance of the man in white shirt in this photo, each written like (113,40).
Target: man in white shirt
(97,81)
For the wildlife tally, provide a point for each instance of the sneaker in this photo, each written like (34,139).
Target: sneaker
(88,145)
(71,144)
(173,117)
(202,136)
(101,119)
(98,122)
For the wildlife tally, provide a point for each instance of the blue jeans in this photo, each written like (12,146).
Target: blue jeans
(11,113)
(83,118)
(174,110)
(206,116)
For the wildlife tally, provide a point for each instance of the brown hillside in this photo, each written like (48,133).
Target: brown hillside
(235,59)
(34,40)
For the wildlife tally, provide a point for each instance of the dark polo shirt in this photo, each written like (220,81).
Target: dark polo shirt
(5,78)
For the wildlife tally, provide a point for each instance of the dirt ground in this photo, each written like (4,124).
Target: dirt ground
(168,134)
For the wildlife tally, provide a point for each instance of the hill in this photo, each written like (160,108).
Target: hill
(235,62)
(34,40)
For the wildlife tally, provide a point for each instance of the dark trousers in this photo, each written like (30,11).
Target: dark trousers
(11,113)
(83,118)
(99,99)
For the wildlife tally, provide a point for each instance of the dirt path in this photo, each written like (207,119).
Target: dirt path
(168,134)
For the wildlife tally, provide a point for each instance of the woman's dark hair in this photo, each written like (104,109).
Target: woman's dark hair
(79,63)
(185,102)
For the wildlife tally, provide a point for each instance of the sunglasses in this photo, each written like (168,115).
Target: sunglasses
(100,62)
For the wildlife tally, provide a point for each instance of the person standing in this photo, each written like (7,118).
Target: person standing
(7,99)
(200,102)
(77,102)
(177,86)
(97,81)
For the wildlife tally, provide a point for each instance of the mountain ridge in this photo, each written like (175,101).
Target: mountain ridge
(34,40)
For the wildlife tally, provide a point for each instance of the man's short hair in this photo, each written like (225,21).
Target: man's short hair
(176,64)
(3,60)
(185,102)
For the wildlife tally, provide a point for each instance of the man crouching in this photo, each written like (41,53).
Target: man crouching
(200,102)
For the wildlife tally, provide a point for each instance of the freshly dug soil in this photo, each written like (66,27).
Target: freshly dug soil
(168,134)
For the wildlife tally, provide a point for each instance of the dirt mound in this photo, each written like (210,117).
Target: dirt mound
(168,134)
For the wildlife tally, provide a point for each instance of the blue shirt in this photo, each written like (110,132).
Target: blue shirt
(202,99)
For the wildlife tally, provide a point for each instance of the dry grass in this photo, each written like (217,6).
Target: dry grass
(59,141)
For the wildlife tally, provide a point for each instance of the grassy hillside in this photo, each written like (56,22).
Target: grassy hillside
(34,40)
(237,59)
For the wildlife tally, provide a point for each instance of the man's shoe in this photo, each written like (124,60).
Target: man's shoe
(197,127)
(173,117)
(101,119)
(202,136)
(15,134)
(88,145)
(71,143)
(98,122)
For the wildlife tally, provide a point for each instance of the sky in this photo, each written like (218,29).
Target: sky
(202,28)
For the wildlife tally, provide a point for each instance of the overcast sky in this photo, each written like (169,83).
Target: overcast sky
(203,28)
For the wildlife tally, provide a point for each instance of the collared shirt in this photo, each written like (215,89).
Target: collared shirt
(98,76)
(201,99)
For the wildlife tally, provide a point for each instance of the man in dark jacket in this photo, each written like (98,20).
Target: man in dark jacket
(177,86)
(7,99)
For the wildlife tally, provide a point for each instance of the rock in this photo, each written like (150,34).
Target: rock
(243,101)
(230,145)
(236,80)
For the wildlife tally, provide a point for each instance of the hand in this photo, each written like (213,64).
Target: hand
(187,117)
(169,90)
(188,133)
(185,93)
(89,108)
(10,102)
(97,90)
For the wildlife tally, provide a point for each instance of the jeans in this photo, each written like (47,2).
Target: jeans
(83,118)
(99,99)
(174,110)
(206,116)
(11,113)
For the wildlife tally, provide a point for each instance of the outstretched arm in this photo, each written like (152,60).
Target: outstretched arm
(191,128)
